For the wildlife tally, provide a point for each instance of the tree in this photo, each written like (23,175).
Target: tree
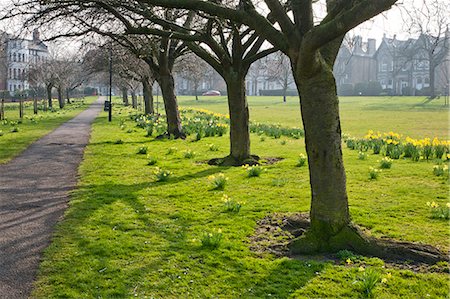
(312,46)
(431,23)
(193,69)
(280,71)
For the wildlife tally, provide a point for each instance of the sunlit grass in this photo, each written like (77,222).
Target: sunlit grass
(127,234)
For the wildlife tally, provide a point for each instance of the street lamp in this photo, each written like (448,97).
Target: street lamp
(110,85)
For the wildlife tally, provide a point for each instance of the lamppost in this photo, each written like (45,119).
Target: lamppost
(110,85)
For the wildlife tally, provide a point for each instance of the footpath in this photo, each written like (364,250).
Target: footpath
(34,192)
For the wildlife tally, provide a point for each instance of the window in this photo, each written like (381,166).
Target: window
(427,81)
(390,82)
(14,57)
(10,73)
(15,74)
(19,57)
(419,80)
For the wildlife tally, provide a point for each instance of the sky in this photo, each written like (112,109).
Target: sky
(390,23)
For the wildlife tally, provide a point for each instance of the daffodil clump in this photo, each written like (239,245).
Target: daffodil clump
(369,279)
(212,240)
(439,212)
(393,145)
(385,163)
(218,181)
(189,154)
(441,170)
(231,205)
(301,160)
(253,170)
(162,175)
(373,173)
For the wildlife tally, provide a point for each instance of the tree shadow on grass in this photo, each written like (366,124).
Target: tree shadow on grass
(113,258)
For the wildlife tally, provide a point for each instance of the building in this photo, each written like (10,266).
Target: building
(17,56)
(355,62)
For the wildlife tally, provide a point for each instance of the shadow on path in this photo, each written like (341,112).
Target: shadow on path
(34,191)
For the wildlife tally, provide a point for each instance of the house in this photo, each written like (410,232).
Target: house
(17,56)
(355,62)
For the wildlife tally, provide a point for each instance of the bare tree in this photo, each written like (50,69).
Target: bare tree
(431,23)
(279,70)
(193,69)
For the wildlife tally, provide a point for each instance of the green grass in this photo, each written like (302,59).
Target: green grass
(404,115)
(32,127)
(127,235)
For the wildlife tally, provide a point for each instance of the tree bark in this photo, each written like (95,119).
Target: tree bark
(320,114)
(68,96)
(239,117)
(167,85)
(60,97)
(196,90)
(133,99)
(125,96)
(49,96)
(147,87)
(432,80)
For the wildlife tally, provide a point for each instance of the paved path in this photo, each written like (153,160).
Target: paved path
(33,196)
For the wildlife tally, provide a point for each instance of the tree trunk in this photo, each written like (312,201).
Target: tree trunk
(49,96)
(239,117)
(147,88)
(125,97)
(68,96)
(432,81)
(133,99)
(60,98)
(166,83)
(196,90)
(320,114)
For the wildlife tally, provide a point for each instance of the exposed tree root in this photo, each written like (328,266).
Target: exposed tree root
(232,161)
(352,238)
(291,235)
(169,136)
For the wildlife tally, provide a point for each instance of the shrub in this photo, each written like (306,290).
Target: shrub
(301,160)
(142,150)
(219,181)
(386,163)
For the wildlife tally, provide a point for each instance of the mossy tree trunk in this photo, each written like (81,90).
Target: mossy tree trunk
(239,116)
(320,114)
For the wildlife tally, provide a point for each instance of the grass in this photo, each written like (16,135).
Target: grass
(405,115)
(32,127)
(127,235)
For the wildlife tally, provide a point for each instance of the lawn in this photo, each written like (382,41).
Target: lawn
(17,134)
(128,235)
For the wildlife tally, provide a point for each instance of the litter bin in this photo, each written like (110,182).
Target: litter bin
(107,106)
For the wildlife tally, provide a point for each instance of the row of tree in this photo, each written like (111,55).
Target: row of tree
(230,35)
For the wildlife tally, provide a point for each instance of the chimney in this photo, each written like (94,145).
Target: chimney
(371,46)
(357,47)
(36,35)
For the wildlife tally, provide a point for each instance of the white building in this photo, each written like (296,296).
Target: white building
(17,55)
